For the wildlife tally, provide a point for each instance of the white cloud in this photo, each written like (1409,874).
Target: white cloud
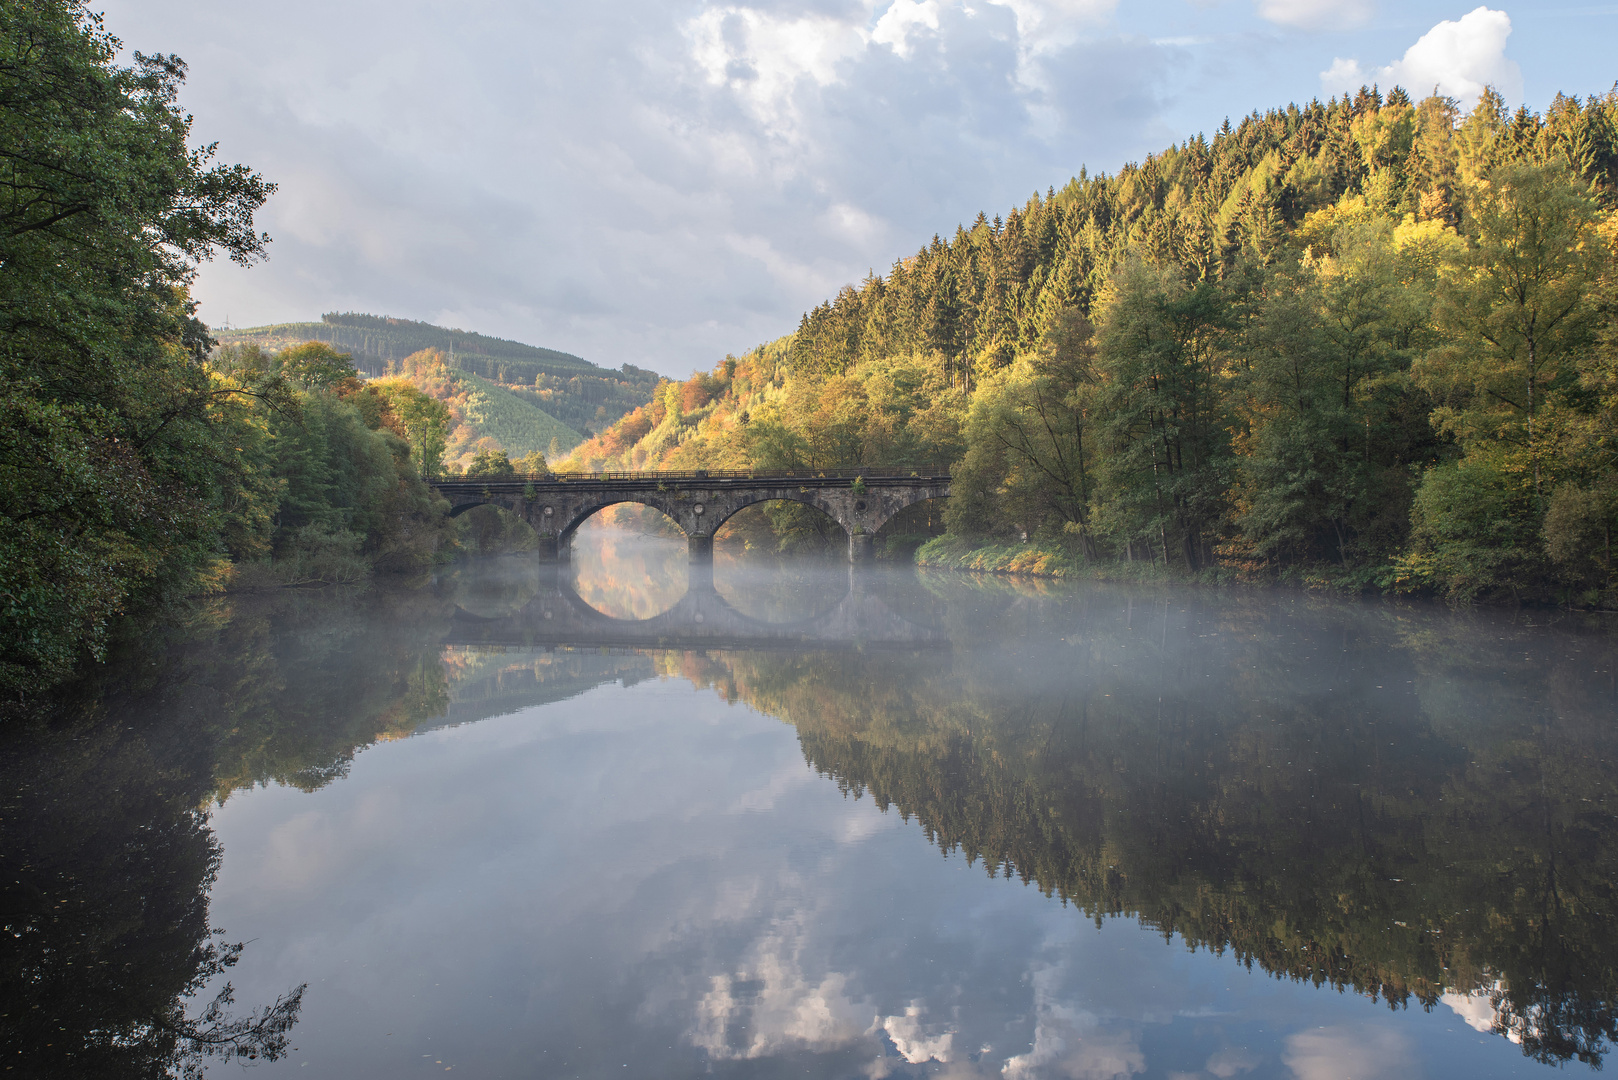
(762,57)
(893,29)
(1046,24)
(1045,27)
(1317,14)
(1478,1012)
(1343,1053)
(671,182)
(1460,58)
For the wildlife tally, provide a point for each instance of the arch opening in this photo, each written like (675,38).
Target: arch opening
(627,560)
(909,528)
(780,528)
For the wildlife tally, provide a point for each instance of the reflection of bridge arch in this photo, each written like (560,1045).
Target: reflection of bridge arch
(556,505)
(558,615)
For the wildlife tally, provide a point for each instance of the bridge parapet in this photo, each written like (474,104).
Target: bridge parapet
(556,504)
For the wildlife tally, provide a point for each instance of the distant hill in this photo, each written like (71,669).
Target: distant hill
(582,395)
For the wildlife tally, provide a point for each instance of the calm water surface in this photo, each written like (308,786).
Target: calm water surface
(803,821)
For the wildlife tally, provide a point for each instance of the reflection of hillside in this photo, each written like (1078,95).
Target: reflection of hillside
(1232,777)
(486,682)
(295,686)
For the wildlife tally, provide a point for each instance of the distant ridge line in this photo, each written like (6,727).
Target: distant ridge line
(377,340)
(464,340)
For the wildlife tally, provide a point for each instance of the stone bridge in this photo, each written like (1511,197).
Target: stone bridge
(701,619)
(556,504)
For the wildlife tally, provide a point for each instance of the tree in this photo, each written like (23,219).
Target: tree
(491,463)
(114,457)
(425,420)
(1515,310)
(316,364)
(1515,313)
(1163,424)
(1332,423)
(1028,463)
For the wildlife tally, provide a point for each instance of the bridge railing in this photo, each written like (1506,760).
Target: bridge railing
(918,472)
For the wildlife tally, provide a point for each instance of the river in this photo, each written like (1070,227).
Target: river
(807,820)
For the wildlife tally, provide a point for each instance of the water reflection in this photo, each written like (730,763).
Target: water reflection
(631,573)
(1409,805)
(779,592)
(625,574)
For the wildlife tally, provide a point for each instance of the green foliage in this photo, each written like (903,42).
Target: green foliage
(491,463)
(116,459)
(315,364)
(425,421)
(1028,465)
(1332,421)
(1293,325)
(1473,530)
(1164,414)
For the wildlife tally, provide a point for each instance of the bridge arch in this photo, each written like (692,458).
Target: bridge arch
(576,517)
(750,500)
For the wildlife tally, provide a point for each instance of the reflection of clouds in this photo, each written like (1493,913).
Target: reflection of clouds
(1232,1060)
(790,777)
(1478,1012)
(910,1036)
(770,1005)
(1070,1042)
(1349,1053)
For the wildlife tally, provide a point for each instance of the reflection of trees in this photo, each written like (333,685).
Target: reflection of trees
(1453,832)
(106,859)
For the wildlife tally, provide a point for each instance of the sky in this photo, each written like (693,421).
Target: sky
(662,182)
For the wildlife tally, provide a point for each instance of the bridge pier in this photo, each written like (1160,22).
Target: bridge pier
(700,549)
(699,577)
(549,548)
(861,547)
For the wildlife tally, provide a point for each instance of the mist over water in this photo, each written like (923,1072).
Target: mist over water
(616,819)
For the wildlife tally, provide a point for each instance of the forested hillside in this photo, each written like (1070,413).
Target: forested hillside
(582,395)
(1369,341)
(482,416)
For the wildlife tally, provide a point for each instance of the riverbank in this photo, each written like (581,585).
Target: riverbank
(1031,560)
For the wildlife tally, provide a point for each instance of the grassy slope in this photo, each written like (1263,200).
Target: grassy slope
(518,425)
